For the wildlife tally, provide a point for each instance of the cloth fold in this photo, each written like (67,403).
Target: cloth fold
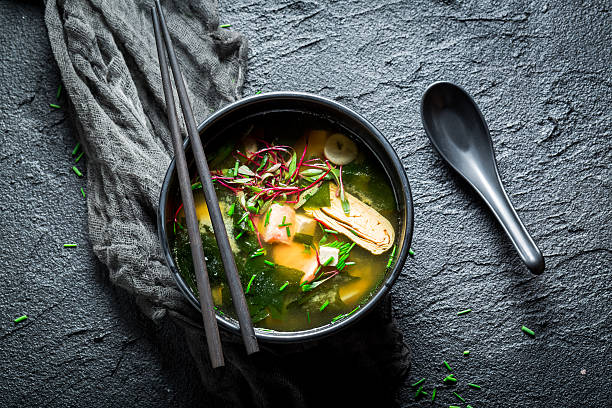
(106,54)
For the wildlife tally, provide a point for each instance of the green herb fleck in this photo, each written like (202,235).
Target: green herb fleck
(83,192)
(418,392)
(391,256)
(410,252)
(54,106)
(324,305)
(459,396)
(231,210)
(225,26)
(283,287)
(257,93)
(466,353)
(451,377)
(416,384)
(308,316)
(269,263)
(464,312)
(20,319)
(79,157)
(528,331)
(267,218)
(329,260)
(59,91)
(433,395)
(77,171)
(330,231)
(249,285)
(475,385)
(288,232)
(447,366)
(240,234)
(70,245)
(76,148)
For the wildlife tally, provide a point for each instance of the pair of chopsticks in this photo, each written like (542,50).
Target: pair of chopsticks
(208,314)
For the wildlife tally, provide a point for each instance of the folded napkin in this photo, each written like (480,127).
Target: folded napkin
(106,54)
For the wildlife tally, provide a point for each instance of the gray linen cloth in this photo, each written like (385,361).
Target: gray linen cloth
(106,54)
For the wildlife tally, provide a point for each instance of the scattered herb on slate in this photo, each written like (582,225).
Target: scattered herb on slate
(416,384)
(83,192)
(59,92)
(76,148)
(79,157)
(459,396)
(433,395)
(475,385)
(410,252)
(528,331)
(54,106)
(225,26)
(70,245)
(466,353)
(77,171)
(20,318)
(464,312)
(447,366)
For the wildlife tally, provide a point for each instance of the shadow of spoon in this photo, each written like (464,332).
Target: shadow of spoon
(458,131)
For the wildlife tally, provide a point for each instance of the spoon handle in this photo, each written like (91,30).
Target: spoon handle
(497,199)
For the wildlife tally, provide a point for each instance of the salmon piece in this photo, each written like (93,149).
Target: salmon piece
(272,233)
(295,256)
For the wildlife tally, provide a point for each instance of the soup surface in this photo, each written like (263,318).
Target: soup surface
(311,218)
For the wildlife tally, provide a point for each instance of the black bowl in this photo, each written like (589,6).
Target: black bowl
(336,113)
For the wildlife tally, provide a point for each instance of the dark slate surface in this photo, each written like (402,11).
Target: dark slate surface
(541,75)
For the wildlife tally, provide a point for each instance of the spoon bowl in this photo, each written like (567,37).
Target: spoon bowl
(458,131)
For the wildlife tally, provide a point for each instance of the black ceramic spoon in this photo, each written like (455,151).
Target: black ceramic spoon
(459,132)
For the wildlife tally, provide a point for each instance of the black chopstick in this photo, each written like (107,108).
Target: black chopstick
(231,272)
(199,264)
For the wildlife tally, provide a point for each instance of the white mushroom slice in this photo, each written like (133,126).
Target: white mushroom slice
(339,149)
(363,225)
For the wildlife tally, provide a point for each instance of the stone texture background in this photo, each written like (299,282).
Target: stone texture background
(541,73)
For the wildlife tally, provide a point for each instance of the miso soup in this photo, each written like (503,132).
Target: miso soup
(311,217)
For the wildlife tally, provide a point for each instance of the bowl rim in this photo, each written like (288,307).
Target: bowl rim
(402,190)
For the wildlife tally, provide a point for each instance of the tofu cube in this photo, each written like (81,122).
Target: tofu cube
(305,225)
(326,252)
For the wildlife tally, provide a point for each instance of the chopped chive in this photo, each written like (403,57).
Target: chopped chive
(308,316)
(54,106)
(251,225)
(174,227)
(76,148)
(466,353)
(225,26)
(256,254)
(459,396)
(267,218)
(83,192)
(330,231)
(257,93)
(324,305)
(197,185)
(528,331)
(464,312)
(243,218)
(410,252)
(283,287)
(329,260)
(391,256)
(288,232)
(240,234)
(416,384)
(418,392)
(79,157)
(249,285)
(70,245)
(475,385)
(269,263)
(447,366)
(20,319)
(450,378)
(231,210)
(340,316)
(59,91)
(236,168)
(77,171)
(284,219)
(433,395)
(353,311)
